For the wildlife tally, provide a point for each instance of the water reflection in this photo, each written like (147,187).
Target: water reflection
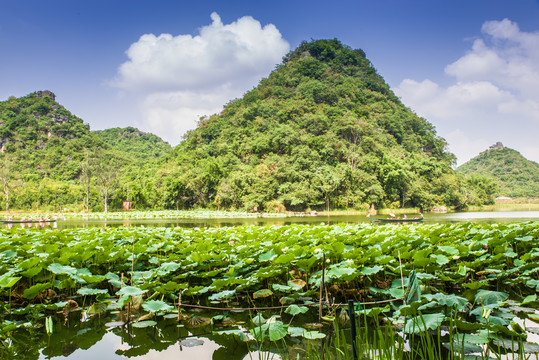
(476,217)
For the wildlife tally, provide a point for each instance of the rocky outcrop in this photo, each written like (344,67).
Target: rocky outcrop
(48,93)
(497,146)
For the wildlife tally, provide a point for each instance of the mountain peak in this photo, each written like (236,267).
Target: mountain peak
(517,176)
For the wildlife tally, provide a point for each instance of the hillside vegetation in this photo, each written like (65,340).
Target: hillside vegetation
(322,131)
(50,158)
(516,175)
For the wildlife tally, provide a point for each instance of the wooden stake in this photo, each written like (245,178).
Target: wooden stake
(322,287)
(402,279)
(133,262)
(179,305)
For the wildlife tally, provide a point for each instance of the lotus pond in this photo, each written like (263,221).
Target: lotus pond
(138,291)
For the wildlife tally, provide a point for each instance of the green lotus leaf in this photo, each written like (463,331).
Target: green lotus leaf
(88,291)
(313,335)
(8,282)
(35,290)
(91,279)
(296,310)
(476,284)
(529,299)
(277,330)
(167,268)
(282,288)
(259,320)
(267,256)
(130,291)
(262,293)
(156,306)
(295,331)
(61,269)
(441,259)
(259,332)
(235,333)
(340,273)
(297,283)
(97,308)
(450,250)
(144,324)
(533,283)
(113,279)
(371,270)
(170,287)
(448,300)
(8,254)
(421,323)
(467,326)
(284,258)
(374,311)
(222,295)
(30,273)
(488,297)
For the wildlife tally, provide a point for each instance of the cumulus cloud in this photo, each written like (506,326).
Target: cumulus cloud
(494,96)
(183,77)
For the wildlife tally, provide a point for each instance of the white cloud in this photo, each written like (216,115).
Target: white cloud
(183,77)
(494,95)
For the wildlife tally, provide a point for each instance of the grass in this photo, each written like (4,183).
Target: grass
(383,342)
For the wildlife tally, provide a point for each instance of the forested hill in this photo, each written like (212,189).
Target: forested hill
(49,156)
(517,176)
(43,138)
(141,146)
(322,130)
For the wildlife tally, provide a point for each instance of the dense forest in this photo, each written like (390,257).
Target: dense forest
(322,131)
(50,159)
(516,175)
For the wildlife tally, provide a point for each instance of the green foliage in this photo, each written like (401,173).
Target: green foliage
(322,131)
(515,175)
(51,160)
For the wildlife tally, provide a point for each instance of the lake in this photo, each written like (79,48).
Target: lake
(430,218)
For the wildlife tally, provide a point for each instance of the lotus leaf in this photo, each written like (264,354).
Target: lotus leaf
(371,270)
(421,323)
(297,283)
(61,269)
(8,282)
(33,291)
(222,295)
(296,310)
(156,306)
(267,256)
(262,293)
(277,330)
(144,324)
(88,291)
(529,299)
(313,335)
(282,288)
(295,331)
(488,297)
(130,291)
(97,308)
(235,333)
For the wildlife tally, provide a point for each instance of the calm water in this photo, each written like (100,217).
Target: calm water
(476,217)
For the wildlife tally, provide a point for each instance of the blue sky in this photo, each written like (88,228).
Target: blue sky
(469,67)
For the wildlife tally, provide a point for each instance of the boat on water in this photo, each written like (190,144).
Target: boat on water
(29,221)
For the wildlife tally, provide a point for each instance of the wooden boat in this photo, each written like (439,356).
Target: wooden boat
(30,221)
(395,220)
